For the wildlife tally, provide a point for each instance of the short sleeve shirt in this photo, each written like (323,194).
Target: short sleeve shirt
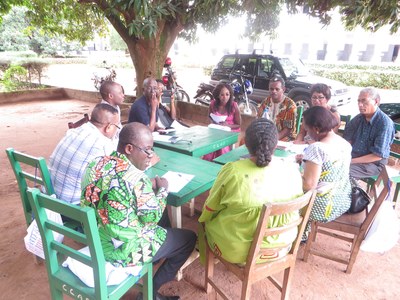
(374,136)
(140,112)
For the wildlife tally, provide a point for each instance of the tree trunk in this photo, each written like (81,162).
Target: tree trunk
(148,55)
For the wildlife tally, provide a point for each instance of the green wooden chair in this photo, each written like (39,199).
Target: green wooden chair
(299,117)
(29,171)
(394,179)
(61,279)
(344,119)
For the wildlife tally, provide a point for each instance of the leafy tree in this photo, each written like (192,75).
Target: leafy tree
(16,34)
(149,28)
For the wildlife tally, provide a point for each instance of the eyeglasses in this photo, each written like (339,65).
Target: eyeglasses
(147,151)
(318,98)
(119,127)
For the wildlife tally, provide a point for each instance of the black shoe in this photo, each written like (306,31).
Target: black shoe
(158,296)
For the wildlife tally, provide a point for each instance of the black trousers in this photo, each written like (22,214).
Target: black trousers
(176,249)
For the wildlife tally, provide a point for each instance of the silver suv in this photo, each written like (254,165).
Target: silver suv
(259,68)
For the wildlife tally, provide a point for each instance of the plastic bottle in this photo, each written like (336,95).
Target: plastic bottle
(265,113)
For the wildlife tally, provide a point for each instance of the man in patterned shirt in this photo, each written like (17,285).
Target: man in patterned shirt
(78,147)
(370,133)
(131,208)
(280,109)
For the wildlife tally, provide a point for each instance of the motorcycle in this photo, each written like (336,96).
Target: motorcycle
(241,88)
(169,80)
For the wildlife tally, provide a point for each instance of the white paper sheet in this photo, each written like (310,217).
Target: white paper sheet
(176,180)
(161,137)
(217,118)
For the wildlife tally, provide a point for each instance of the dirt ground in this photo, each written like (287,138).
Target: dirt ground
(36,128)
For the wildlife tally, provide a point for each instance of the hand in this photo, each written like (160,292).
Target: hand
(155,159)
(299,158)
(154,101)
(161,182)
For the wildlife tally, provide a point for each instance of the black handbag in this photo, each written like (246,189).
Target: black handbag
(359,198)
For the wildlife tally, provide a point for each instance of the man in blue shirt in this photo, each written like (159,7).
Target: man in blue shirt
(144,109)
(370,133)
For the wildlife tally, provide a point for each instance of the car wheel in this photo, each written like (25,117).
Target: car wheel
(252,110)
(302,100)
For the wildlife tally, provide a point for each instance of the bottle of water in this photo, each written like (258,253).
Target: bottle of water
(265,113)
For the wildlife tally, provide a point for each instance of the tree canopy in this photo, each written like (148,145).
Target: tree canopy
(149,28)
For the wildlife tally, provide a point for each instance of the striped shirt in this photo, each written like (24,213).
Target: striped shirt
(68,161)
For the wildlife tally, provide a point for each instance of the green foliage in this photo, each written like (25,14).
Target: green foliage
(149,28)
(22,73)
(360,75)
(15,78)
(370,15)
(17,34)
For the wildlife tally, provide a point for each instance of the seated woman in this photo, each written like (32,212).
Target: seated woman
(326,165)
(320,95)
(223,104)
(232,209)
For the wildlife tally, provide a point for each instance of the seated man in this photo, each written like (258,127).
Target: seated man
(78,147)
(129,205)
(370,133)
(280,109)
(144,109)
(112,93)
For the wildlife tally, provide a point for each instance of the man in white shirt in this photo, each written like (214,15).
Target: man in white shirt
(80,146)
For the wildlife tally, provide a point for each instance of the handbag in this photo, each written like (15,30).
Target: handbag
(359,198)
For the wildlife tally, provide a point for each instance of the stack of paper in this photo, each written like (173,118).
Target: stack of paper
(217,118)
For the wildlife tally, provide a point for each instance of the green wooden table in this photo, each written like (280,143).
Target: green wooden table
(242,152)
(199,140)
(204,172)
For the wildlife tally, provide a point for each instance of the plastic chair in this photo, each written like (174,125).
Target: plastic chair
(78,123)
(29,171)
(61,279)
(349,227)
(252,272)
(299,117)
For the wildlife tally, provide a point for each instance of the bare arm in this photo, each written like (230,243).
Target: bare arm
(284,133)
(311,175)
(366,159)
(172,109)
(153,114)
(300,136)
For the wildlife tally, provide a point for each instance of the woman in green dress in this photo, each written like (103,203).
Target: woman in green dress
(232,210)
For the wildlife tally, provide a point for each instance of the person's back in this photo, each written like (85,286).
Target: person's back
(78,147)
(233,207)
